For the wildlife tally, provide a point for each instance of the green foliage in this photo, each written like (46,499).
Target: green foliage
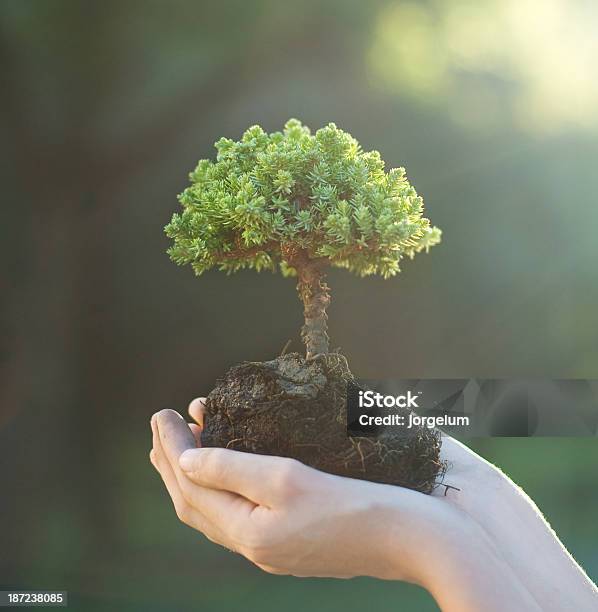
(273,194)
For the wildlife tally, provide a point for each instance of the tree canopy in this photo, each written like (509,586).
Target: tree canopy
(268,196)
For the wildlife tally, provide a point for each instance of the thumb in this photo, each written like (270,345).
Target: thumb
(265,480)
(197,410)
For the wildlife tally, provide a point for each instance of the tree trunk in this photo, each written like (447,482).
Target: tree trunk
(314,294)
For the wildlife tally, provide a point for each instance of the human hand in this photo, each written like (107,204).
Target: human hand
(285,517)
(290,519)
(517,527)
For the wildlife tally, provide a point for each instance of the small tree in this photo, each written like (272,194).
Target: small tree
(300,203)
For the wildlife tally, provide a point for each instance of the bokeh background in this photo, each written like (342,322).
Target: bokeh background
(492,106)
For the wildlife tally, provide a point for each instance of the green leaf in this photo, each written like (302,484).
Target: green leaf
(317,192)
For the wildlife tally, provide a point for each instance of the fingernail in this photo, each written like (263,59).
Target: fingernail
(186,460)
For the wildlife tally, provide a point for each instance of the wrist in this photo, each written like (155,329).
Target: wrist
(461,567)
(387,525)
(416,534)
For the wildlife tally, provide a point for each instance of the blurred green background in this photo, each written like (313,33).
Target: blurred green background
(492,106)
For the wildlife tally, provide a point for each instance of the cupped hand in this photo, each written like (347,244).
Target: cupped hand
(288,518)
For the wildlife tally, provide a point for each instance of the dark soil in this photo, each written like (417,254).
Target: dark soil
(296,408)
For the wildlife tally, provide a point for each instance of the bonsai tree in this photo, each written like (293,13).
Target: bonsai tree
(300,203)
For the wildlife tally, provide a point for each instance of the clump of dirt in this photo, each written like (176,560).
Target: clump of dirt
(293,407)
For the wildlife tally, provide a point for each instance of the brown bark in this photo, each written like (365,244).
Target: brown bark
(314,294)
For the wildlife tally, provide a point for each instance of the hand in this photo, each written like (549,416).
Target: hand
(283,515)
(516,525)
(290,519)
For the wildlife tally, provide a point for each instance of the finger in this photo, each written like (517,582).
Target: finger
(163,467)
(196,431)
(175,435)
(152,457)
(185,512)
(272,570)
(263,479)
(219,507)
(197,409)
